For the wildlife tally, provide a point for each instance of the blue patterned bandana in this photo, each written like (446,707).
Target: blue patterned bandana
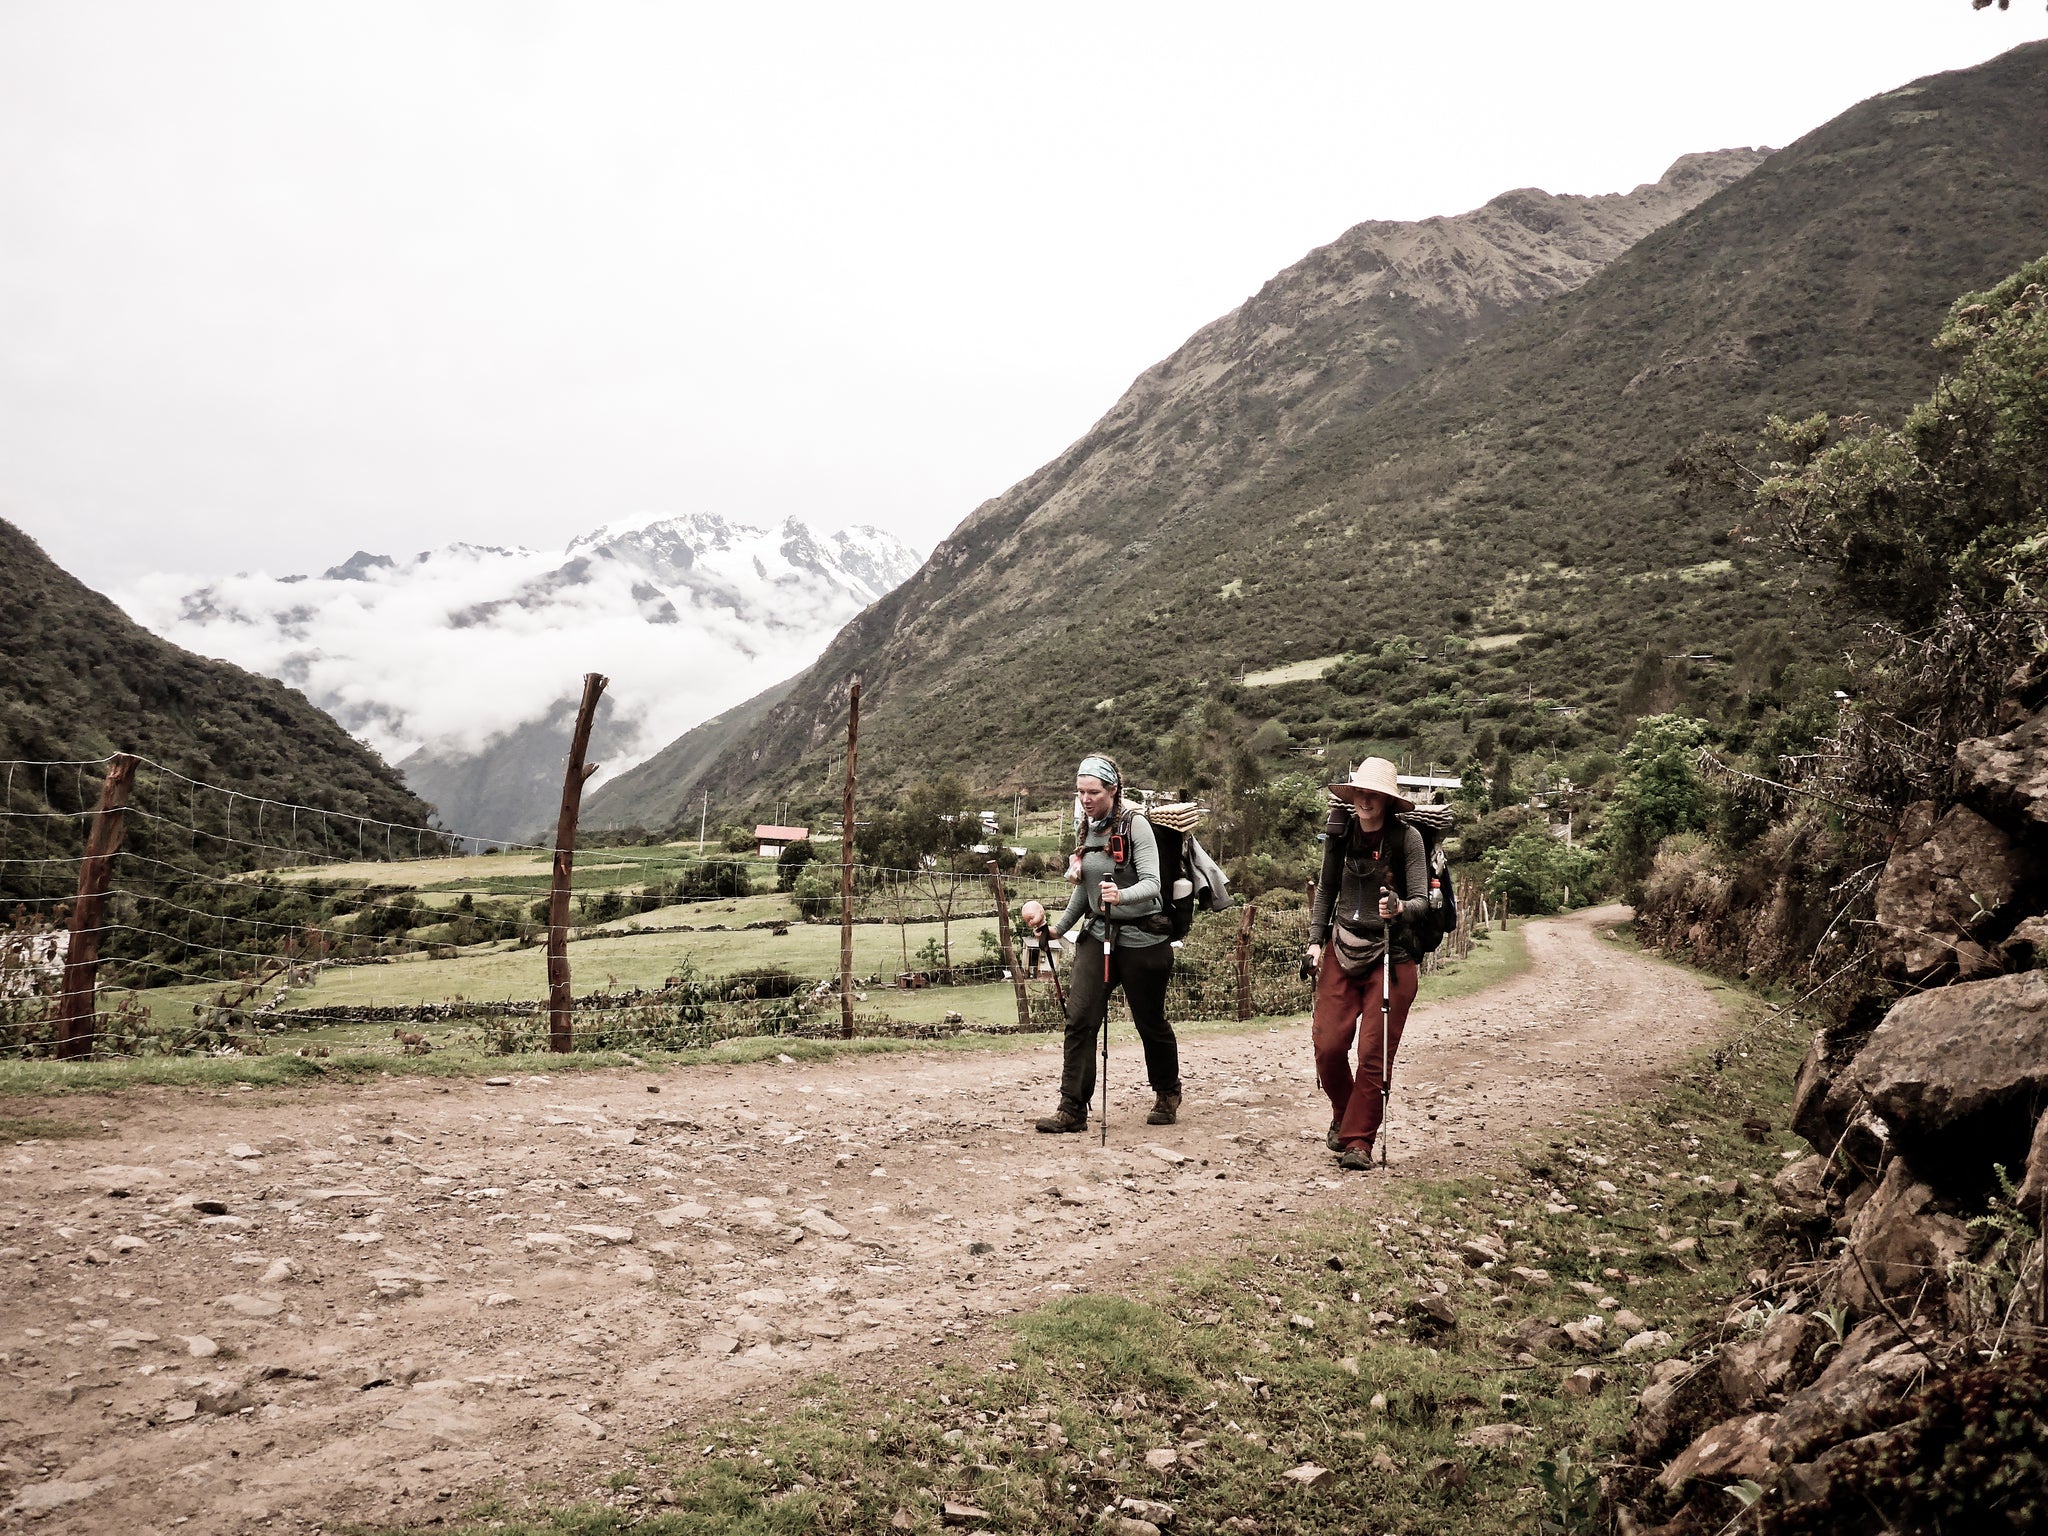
(1102,768)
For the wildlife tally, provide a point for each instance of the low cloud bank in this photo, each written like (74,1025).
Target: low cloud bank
(452,649)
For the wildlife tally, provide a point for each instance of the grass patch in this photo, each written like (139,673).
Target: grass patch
(43,1128)
(1292,672)
(365,1050)
(1301,1347)
(1495,958)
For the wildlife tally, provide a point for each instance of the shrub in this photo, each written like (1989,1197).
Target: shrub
(1536,872)
(816,889)
(791,861)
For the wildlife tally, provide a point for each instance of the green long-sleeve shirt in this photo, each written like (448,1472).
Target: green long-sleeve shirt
(1141,899)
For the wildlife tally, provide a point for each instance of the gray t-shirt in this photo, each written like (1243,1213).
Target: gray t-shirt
(1140,899)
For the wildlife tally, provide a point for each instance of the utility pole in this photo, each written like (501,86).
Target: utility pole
(703,811)
(574,777)
(846,867)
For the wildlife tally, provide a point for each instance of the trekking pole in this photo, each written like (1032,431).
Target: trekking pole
(1386,1025)
(1108,944)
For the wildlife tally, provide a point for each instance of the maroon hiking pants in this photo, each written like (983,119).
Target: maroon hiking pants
(1348,1006)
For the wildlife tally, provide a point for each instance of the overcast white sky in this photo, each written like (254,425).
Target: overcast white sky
(282,280)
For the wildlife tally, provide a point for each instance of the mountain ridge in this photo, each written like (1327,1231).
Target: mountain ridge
(1517,480)
(82,680)
(458,662)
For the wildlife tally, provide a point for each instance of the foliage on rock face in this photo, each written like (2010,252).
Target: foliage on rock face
(1938,532)
(1970,1462)
(1952,501)
(1934,536)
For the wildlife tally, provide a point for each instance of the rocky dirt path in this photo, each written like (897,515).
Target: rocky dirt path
(276,1309)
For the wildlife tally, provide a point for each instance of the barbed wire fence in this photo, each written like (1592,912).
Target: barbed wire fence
(147,912)
(214,904)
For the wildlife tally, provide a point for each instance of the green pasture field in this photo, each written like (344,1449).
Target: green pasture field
(360,1050)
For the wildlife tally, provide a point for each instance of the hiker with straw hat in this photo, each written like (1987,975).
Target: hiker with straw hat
(1122,937)
(1375,881)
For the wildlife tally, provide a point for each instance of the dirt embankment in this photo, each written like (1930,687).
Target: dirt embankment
(284,1308)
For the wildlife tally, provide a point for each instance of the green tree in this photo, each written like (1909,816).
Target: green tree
(1660,791)
(1504,792)
(791,861)
(815,886)
(1535,872)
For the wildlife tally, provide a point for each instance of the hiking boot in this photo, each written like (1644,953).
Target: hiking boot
(1331,1141)
(1063,1120)
(1357,1159)
(1165,1109)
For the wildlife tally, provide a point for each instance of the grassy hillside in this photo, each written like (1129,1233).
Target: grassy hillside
(1345,327)
(80,680)
(1517,486)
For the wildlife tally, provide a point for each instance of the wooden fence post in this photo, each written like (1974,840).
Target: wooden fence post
(1244,961)
(574,777)
(1009,953)
(846,867)
(77,1015)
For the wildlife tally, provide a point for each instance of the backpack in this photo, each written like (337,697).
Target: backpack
(1182,885)
(1186,885)
(1432,823)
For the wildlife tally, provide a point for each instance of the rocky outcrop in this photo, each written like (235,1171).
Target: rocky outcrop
(1923,1117)
(2007,776)
(1901,1243)
(2026,947)
(1947,884)
(1958,1074)
(1753,1369)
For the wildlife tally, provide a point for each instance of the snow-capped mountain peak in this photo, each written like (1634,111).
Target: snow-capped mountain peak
(453,652)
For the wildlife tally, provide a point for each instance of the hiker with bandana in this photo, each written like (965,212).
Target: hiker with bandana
(1117,903)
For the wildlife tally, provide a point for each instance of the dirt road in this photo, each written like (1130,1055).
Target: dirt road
(273,1309)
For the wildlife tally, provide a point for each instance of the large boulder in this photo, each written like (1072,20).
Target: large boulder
(1959,1074)
(1948,880)
(1856,1394)
(1752,1369)
(2007,776)
(1677,1403)
(1900,1244)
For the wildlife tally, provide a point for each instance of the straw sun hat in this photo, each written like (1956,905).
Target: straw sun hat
(1377,775)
